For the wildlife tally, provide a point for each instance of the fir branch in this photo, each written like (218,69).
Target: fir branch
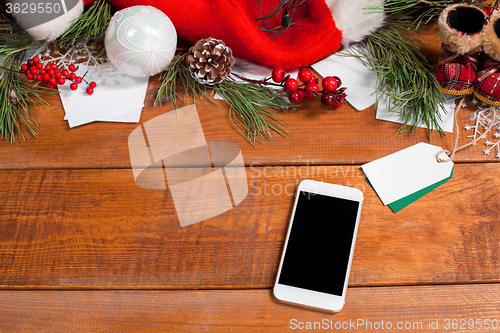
(404,74)
(418,11)
(177,69)
(13,39)
(250,108)
(92,24)
(16,101)
(250,104)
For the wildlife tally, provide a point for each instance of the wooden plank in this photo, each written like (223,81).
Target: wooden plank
(318,135)
(97,229)
(402,309)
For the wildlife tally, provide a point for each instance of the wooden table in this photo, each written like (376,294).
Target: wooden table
(82,248)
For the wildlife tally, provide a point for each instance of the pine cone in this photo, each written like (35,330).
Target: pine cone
(210,61)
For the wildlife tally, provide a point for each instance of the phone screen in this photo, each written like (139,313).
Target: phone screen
(319,245)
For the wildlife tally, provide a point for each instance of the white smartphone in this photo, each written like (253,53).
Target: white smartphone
(316,261)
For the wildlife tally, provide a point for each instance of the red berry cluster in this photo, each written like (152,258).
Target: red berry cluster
(332,94)
(51,75)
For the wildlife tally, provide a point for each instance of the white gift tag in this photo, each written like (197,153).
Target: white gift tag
(407,171)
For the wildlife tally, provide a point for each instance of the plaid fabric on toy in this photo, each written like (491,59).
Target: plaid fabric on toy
(487,84)
(457,74)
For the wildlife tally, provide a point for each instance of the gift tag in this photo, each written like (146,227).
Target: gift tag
(401,178)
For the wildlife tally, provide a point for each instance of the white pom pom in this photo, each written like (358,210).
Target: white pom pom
(355,18)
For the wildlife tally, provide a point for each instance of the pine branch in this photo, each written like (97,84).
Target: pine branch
(13,39)
(250,108)
(250,104)
(16,101)
(177,69)
(404,74)
(92,24)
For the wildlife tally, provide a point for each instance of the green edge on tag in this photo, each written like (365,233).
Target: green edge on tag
(397,205)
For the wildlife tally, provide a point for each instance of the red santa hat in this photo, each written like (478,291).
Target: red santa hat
(326,25)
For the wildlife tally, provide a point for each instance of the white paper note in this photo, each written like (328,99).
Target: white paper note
(407,171)
(119,98)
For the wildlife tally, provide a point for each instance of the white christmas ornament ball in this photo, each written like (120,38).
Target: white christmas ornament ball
(140,41)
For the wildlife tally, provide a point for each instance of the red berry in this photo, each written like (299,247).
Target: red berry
(73,86)
(45,77)
(31,63)
(42,71)
(65,72)
(305,75)
(72,68)
(48,67)
(329,83)
(34,71)
(72,76)
(38,77)
(54,66)
(48,85)
(51,72)
(314,79)
(339,100)
(57,70)
(78,79)
(36,60)
(296,96)
(278,74)
(93,84)
(311,90)
(24,67)
(61,81)
(39,65)
(30,76)
(57,75)
(328,98)
(90,90)
(339,82)
(52,81)
(291,84)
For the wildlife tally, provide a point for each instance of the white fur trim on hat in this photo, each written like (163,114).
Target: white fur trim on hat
(356,18)
(52,30)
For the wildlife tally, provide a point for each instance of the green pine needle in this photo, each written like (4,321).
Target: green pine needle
(250,104)
(177,69)
(13,39)
(404,75)
(250,108)
(92,24)
(16,101)
(17,98)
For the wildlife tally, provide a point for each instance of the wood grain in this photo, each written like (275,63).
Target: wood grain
(97,229)
(429,308)
(318,135)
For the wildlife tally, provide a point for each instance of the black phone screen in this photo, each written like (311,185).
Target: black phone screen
(319,245)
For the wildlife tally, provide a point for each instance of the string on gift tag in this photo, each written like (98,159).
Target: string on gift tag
(451,155)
